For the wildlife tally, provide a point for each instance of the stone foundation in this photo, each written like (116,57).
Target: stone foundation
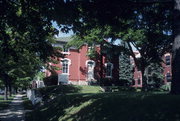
(78,82)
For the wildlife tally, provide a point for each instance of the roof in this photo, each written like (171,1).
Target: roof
(64,39)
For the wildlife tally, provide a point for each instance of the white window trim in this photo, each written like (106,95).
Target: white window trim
(167,74)
(69,63)
(66,53)
(94,64)
(169,59)
(111,69)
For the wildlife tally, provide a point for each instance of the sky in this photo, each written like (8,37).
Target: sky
(61,34)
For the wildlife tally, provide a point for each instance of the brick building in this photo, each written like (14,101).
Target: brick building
(79,69)
(166,64)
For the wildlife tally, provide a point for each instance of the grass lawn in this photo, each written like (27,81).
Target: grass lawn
(54,91)
(119,106)
(5,103)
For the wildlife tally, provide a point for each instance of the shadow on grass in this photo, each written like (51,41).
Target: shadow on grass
(109,107)
(5,103)
(53,91)
(140,108)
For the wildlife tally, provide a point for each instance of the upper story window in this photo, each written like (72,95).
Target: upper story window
(90,48)
(65,66)
(168,77)
(65,49)
(109,67)
(168,60)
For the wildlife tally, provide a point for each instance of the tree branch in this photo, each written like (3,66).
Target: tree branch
(132,54)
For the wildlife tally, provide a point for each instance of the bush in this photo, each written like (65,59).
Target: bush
(106,82)
(122,82)
(166,87)
(51,80)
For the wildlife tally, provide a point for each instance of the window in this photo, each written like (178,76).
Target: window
(90,69)
(167,59)
(168,77)
(65,66)
(109,67)
(65,49)
(90,49)
(139,81)
(138,69)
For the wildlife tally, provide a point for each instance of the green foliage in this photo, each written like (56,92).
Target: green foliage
(50,92)
(106,82)
(25,40)
(40,75)
(1,84)
(136,23)
(155,75)
(51,80)
(125,70)
(27,104)
(92,53)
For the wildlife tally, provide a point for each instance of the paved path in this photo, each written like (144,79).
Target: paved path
(15,111)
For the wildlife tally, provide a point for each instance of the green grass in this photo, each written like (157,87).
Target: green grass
(121,106)
(53,91)
(88,89)
(5,103)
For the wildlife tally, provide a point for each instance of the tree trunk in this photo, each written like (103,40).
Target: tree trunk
(5,92)
(144,80)
(101,65)
(175,86)
(10,90)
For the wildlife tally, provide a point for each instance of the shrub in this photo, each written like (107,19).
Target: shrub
(106,82)
(51,80)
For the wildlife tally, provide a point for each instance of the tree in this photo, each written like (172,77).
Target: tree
(154,75)
(175,89)
(125,70)
(25,39)
(135,23)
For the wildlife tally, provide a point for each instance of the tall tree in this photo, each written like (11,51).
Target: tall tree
(24,33)
(175,89)
(125,70)
(136,23)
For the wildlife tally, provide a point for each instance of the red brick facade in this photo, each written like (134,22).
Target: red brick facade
(77,68)
(166,64)
(83,70)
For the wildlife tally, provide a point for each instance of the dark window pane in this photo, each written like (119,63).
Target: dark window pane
(168,77)
(167,59)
